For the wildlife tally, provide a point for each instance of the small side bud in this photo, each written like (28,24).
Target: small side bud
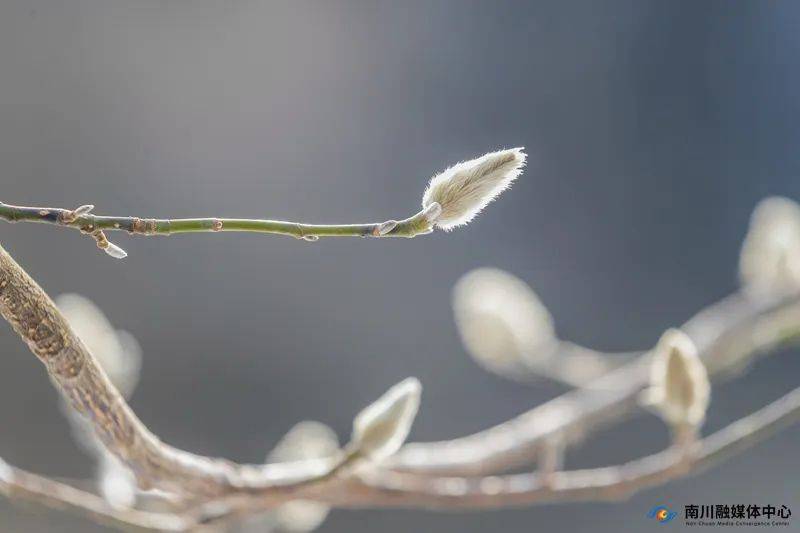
(464,189)
(770,257)
(386,227)
(679,387)
(382,427)
(115,251)
(432,212)
(502,323)
(310,238)
(82,210)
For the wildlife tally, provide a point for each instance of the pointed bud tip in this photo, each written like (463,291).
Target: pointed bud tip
(381,428)
(115,251)
(83,210)
(464,189)
(680,388)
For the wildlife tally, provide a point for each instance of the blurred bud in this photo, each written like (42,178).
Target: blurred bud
(502,323)
(306,440)
(6,472)
(116,482)
(464,189)
(115,251)
(679,386)
(770,257)
(82,210)
(117,351)
(382,427)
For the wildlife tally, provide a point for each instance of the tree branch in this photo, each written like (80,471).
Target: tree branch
(89,223)
(726,334)
(19,485)
(85,386)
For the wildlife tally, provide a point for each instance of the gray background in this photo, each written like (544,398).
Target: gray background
(653,129)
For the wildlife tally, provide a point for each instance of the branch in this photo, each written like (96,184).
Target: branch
(85,386)
(394,489)
(19,485)
(89,223)
(726,333)
(453,198)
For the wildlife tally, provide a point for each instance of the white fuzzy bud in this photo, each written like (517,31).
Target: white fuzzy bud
(679,387)
(501,321)
(382,427)
(464,189)
(115,251)
(770,257)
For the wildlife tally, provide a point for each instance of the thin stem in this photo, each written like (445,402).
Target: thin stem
(88,223)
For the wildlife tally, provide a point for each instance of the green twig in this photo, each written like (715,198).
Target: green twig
(83,220)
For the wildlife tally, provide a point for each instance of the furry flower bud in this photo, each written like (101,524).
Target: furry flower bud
(382,427)
(679,382)
(501,321)
(770,257)
(464,189)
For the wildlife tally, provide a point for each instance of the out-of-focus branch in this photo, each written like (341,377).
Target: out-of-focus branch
(22,486)
(607,483)
(726,334)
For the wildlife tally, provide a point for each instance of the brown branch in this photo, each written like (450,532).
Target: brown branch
(85,386)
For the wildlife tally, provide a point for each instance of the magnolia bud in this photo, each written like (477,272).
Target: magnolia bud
(770,257)
(679,386)
(382,427)
(464,189)
(502,323)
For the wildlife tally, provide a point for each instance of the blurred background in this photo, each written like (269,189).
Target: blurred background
(653,129)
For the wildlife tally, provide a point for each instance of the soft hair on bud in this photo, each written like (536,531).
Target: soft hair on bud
(464,189)
(679,381)
(382,427)
(501,321)
(770,257)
